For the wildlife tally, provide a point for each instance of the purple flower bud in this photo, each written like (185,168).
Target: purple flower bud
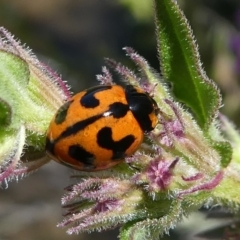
(107,205)
(159,173)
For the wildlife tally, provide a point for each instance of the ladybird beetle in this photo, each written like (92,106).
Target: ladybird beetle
(97,128)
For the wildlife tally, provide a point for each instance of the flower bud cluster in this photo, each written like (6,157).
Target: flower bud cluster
(175,161)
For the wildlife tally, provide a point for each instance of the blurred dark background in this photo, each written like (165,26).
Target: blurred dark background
(73,37)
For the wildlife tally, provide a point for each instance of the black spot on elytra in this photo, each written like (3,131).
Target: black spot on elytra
(81,155)
(118,155)
(117,110)
(49,146)
(62,113)
(88,100)
(141,105)
(104,139)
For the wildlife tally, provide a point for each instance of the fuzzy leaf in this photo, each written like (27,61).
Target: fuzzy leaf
(14,75)
(5,113)
(180,63)
(126,232)
(225,150)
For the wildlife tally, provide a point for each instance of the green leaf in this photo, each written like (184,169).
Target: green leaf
(126,232)
(180,63)
(225,151)
(14,75)
(5,113)
(143,232)
(14,71)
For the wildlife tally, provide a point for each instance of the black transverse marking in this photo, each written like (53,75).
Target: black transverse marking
(75,128)
(141,105)
(49,146)
(117,110)
(81,155)
(88,100)
(62,113)
(104,139)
